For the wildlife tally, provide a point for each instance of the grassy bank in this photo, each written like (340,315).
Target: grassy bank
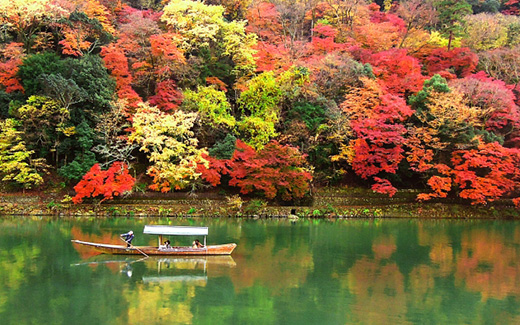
(325,203)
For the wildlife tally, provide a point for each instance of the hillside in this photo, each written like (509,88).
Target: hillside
(267,100)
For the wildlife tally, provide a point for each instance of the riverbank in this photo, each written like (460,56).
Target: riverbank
(325,203)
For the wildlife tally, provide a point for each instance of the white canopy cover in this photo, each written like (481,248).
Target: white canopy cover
(175,230)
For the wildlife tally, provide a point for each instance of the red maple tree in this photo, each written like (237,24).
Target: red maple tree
(109,183)
(117,63)
(12,56)
(398,72)
(481,175)
(376,119)
(456,63)
(167,97)
(275,170)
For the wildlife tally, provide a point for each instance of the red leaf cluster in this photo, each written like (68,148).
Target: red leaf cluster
(109,183)
(377,125)
(323,41)
(12,55)
(458,62)
(167,97)
(275,170)
(480,175)
(511,7)
(117,63)
(487,173)
(398,72)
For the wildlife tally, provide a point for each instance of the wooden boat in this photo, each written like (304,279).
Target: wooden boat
(225,249)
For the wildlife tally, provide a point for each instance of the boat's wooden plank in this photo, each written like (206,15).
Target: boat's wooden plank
(225,249)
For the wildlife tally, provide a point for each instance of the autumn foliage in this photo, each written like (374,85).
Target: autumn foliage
(275,170)
(376,122)
(386,95)
(114,181)
(12,57)
(481,175)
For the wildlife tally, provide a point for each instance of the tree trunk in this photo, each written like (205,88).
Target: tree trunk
(449,40)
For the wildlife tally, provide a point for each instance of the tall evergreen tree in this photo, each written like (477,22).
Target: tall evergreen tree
(451,17)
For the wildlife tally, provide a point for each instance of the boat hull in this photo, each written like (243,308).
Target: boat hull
(225,249)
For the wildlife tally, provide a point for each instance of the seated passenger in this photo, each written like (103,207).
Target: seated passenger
(167,244)
(197,244)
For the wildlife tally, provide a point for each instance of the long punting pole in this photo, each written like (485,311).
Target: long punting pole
(140,251)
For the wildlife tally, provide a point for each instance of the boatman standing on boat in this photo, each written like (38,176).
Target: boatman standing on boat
(128,237)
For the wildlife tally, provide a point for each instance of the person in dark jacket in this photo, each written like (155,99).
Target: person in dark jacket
(128,237)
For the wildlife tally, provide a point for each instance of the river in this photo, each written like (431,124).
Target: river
(308,271)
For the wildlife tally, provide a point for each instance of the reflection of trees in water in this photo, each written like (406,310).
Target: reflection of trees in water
(86,252)
(483,261)
(160,303)
(487,265)
(272,266)
(378,286)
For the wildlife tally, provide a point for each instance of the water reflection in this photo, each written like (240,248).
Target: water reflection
(307,272)
(162,269)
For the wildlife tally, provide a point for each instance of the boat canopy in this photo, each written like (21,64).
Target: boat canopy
(175,230)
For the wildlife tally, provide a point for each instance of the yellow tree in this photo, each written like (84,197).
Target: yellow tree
(214,111)
(43,122)
(169,142)
(491,31)
(203,27)
(16,162)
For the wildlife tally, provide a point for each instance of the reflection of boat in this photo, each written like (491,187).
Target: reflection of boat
(176,278)
(181,263)
(225,249)
(193,269)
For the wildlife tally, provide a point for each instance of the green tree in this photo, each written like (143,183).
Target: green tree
(79,148)
(63,90)
(260,105)
(90,75)
(36,65)
(478,6)
(451,17)
(224,149)
(7,100)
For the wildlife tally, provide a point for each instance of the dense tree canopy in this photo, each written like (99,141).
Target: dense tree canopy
(266,96)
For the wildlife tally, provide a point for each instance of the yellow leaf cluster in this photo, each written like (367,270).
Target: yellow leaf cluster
(170,143)
(204,26)
(450,108)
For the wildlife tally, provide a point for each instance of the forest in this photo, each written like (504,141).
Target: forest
(268,98)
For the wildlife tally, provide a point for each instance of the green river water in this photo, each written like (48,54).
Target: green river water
(382,271)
